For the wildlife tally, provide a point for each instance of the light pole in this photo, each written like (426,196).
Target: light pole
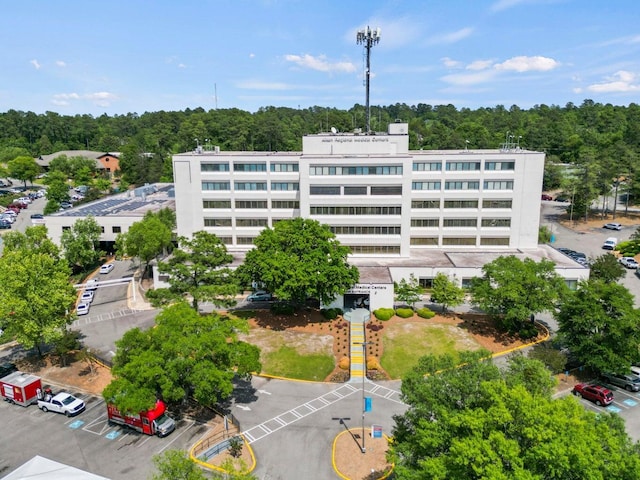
(364,374)
(368,37)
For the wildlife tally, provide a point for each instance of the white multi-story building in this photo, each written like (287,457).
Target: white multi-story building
(402,212)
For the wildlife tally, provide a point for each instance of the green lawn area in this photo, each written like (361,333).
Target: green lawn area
(287,362)
(404,346)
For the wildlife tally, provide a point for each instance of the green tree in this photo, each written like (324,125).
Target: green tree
(24,169)
(512,289)
(606,268)
(408,292)
(34,240)
(298,259)
(146,239)
(197,269)
(475,422)
(57,187)
(81,241)
(184,355)
(175,465)
(601,327)
(36,297)
(446,292)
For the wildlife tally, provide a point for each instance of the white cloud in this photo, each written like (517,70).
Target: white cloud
(256,85)
(60,63)
(620,82)
(450,63)
(102,99)
(479,65)
(469,78)
(35,63)
(451,37)
(526,64)
(252,55)
(320,63)
(182,65)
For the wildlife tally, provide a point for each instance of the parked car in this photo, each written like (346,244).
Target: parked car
(629,262)
(106,268)
(546,197)
(82,309)
(90,285)
(562,199)
(610,243)
(87,296)
(628,382)
(635,370)
(612,226)
(260,296)
(594,393)
(8,218)
(37,215)
(4,224)
(65,205)
(6,368)
(63,402)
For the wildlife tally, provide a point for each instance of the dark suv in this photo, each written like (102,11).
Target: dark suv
(628,382)
(6,368)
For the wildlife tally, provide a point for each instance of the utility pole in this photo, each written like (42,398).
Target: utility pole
(369,37)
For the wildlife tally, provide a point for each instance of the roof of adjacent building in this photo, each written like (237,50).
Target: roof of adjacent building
(45,160)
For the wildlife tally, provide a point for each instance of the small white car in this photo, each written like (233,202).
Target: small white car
(63,402)
(87,296)
(90,285)
(106,268)
(612,226)
(610,243)
(82,309)
(628,262)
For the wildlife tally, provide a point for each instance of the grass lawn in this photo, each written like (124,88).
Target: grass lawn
(287,362)
(403,346)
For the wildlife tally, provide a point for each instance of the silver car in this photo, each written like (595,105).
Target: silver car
(628,382)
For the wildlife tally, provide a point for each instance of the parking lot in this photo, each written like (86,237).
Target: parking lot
(86,441)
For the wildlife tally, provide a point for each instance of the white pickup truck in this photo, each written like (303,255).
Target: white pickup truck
(62,403)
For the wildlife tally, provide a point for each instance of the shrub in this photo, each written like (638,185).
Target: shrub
(329,313)
(282,308)
(372,363)
(344,363)
(404,312)
(553,358)
(424,312)
(384,313)
(527,332)
(629,248)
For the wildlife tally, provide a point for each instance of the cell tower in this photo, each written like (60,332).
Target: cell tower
(369,37)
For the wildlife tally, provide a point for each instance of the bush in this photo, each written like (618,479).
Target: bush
(372,363)
(344,363)
(527,332)
(424,312)
(384,313)
(404,312)
(282,308)
(629,248)
(553,358)
(329,313)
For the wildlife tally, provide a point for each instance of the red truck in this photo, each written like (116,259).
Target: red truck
(21,388)
(152,422)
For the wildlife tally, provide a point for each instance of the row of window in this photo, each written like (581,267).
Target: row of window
(486,203)
(460,222)
(464,185)
(460,241)
(114,229)
(355,190)
(252,204)
(238,186)
(248,167)
(351,210)
(462,166)
(365,230)
(359,170)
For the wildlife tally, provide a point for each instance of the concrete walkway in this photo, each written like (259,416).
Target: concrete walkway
(357,319)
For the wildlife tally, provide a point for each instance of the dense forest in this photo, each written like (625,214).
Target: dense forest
(601,140)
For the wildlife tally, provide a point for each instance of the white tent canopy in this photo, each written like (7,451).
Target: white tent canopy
(40,468)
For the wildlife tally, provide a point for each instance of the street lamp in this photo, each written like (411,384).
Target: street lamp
(364,374)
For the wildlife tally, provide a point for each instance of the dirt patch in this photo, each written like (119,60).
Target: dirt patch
(352,463)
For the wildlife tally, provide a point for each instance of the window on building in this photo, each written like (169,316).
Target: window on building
(462,185)
(466,283)
(488,203)
(324,190)
(250,185)
(461,204)
(426,185)
(498,184)
(375,249)
(460,222)
(102,229)
(431,241)
(425,204)
(285,204)
(463,166)
(276,220)
(251,204)
(226,240)
(386,190)
(355,190)
(113,229)
(426,282)
(425,222)
(365,230)
(245,240)
(249,167)
(289,186)
(216,204)
(217,222)
(458,241)
(352,210)
(214,167)
(510,165)
(66,228)
(251,222)
(494,241)
(571,283)
(284,167)
(496,222)
(216,186)
(427,166)
(356,170)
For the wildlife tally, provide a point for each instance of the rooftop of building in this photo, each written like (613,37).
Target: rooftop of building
(132,203)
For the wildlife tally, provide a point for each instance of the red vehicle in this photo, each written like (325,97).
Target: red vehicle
(21,388)
(595,393)
(152,422)
(546,197)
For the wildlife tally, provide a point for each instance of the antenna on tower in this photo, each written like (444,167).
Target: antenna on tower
(369,37)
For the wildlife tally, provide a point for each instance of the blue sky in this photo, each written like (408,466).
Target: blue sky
(120,56)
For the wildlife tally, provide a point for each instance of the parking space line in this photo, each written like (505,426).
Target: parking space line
(175,437)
